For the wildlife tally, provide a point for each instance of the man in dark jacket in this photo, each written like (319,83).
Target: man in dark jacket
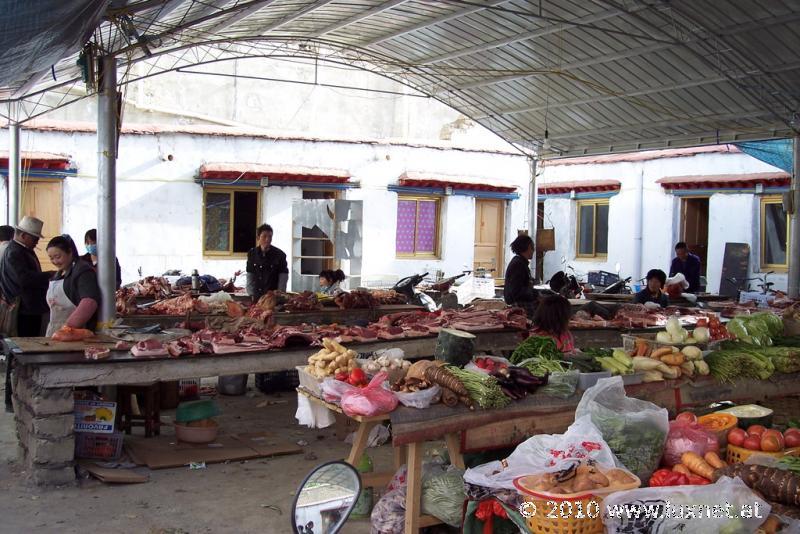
(266,265)
(518,285)
(21,276)
(687,263)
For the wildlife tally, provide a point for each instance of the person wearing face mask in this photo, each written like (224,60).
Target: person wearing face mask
(73,294)
(90,240)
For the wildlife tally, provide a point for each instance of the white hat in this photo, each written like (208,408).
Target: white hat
(31,225)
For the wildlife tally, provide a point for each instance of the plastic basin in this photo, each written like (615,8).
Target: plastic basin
(196,434)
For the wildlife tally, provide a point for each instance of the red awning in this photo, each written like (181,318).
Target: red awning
(275,173)
(38,160)
(440,181)
(581,186)
(726,181)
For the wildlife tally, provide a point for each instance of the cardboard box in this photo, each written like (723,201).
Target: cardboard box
(95,416)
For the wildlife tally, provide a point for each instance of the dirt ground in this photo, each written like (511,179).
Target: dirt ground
(251,496)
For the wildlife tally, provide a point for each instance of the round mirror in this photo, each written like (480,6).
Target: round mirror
(617,267)
(325,499)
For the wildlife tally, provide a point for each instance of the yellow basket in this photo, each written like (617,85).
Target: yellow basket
(740,454)
(574,513)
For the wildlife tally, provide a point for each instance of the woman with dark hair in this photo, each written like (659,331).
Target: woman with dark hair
(329,281)
(518,286)
(73,294)
(552,320)
(653,295)
(90,240)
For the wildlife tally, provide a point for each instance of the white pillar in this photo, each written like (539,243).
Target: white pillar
(794,224)
(533,210)
(107,189)
(14,173)
(638,225)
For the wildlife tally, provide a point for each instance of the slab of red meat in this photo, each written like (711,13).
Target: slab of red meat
(96,353)
(149,348)
(285,336)
(361,334)
(391,332)
(239,347)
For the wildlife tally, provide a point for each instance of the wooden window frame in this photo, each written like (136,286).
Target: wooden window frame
(595,203)
(230,192)
(437,228)
(777,267)
(330,261)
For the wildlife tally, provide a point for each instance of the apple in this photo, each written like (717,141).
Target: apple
(753,443)
(791,439)
(686,417)
(755,430)
(736,436)
(791,431)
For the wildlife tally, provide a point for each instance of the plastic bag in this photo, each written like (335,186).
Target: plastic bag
(685,509)
(332,389)
(545,452)
(420,399)
(389,513)
(561,385)
(634,429)
(312,415)
(687,437)
(371,400)
(377,436)
(443,497)
(471,366)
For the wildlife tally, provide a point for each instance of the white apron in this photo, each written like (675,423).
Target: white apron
(60,306)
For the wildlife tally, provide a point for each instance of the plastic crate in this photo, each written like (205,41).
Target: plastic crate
(188,388)
(740,454)
(98,446)
(602,278)
(277,381)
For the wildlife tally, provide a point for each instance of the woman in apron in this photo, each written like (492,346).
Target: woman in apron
(73,294)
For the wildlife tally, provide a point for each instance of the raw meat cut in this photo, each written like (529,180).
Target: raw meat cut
(66,333)
(149,348)
(356,300)
(305,301)
(96,353)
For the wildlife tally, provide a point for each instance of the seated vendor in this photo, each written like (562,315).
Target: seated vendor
(653,293)
(518,285)
(552,320)
(329,282)
(73,294)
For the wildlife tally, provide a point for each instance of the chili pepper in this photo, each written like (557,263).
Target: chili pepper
(667,477)
(697,480)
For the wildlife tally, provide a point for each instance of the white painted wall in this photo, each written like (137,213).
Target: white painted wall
(732,217)
(159,207)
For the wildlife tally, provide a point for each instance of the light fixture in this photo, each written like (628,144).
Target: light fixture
(264,182)
(546,145)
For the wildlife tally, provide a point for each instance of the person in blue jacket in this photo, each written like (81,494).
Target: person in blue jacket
(688,264)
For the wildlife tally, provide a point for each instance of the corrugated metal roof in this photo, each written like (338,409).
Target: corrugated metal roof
(596,77)
(644,156)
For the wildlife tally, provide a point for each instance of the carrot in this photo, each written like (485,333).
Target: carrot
(641,347)
(714,460)
(658,353)
(697,465)
(680,468)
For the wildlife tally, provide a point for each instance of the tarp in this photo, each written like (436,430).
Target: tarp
(776,152)
(36,34)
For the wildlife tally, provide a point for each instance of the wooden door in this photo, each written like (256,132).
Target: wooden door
(694,228)
(43,200)
(489,235)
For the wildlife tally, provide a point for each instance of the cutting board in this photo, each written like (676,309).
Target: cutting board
(46,344)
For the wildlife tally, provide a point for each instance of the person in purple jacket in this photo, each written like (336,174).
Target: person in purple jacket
(687,263)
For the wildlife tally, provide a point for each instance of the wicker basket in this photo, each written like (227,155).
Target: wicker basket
(740,454)
(576,513)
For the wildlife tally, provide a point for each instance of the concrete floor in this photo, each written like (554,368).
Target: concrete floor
(251,496)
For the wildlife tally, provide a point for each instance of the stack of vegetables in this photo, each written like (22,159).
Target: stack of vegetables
(670,363)
(675,333)
(693,470)
(619,363)
(759,438)
(756,329)
(333,359)
(586,360)
(736,360)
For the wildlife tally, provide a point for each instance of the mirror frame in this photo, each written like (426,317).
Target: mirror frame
(337,527)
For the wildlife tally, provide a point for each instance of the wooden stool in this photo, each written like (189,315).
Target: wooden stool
(150,416)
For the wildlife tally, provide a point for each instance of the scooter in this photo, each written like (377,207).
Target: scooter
(325,499)
(407,286)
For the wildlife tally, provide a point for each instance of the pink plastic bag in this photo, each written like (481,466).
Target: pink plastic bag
(687,437)
(333,390)
(371,400)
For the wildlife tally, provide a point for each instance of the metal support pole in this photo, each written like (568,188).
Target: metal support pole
(107,189)
(14,173)
(533,210)
(638,226)
(794,226)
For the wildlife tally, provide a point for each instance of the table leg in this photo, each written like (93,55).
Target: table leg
(453,442)
(399,456)
(360,443)
(414,489)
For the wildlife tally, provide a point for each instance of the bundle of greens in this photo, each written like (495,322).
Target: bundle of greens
(586,360)
(785,359)
(756,329)
(638,445)
(536,347)
(727,365)
(482,388)
(543,366)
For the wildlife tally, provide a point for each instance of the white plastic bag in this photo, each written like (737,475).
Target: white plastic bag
(679,278)
(471,366)
(377,436)
(545,452)
(311,414)
(332,389)
(635,430)
(419,399)
(685,509)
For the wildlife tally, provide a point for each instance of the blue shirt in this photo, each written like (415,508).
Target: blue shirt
(690,269)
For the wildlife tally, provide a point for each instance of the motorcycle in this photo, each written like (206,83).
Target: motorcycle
(325,499)
(407,286)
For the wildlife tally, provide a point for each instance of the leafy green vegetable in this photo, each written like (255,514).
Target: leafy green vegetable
(638,445)
(756,329)
(536,347)
(482,388)
(740,361)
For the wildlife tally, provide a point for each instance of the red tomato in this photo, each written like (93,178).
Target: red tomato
(736,436)
(791,431)
(753,443)
(686,417)
(792,439)
(770,443)
(357,377)
(755,430)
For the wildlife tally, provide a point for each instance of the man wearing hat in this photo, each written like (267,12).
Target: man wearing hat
(21,276)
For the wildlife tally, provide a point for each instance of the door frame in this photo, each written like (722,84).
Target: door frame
(682,224)
(503,211)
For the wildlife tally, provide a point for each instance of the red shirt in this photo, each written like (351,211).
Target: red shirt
(565,342)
